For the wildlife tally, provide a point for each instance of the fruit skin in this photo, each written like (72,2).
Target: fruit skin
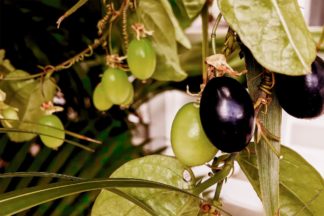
(52,121)
(100,101)
(130,98)
(188,140)
(302,96)
(116,85)
(227,114)
(141,58)
(9,113)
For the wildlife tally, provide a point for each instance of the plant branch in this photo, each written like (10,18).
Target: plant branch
(204,18)
(218,176)
(218,190)
(213,34)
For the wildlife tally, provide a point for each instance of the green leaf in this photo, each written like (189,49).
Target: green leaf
(158,168)
(69,12)
(27,96)
(193,7)
(155,18)
(22,199)
(5,65)
(301,186)
(274,31)
(267,160)
(179,33)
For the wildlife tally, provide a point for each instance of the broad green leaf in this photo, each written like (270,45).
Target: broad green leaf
(22,199)
(301,186)
(193,7)
(158,168)
(179,33)
(27,96)
(155,18)
(274,31)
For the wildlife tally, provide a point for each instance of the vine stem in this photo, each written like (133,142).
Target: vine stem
(204,52)
(320,41)
(218,190)
(213,34)
(218,176)
(49,69)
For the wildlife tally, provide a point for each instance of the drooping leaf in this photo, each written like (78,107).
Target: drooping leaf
(180,13)
(179,33)
(193,7)
(301,186)
(27,96)
(22,199)
(155,18)
(274,31)
(69,12)
(158,168)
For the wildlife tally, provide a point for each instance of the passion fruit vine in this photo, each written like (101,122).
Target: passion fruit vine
(227,114)
(302,96)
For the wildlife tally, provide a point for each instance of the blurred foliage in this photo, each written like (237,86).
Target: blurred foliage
(31,39)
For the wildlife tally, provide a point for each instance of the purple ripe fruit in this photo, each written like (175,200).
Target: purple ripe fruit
(302,96)
(227,114)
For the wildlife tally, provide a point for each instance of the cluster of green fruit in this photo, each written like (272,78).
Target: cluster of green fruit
(49,127)
(225,117)
(115,87)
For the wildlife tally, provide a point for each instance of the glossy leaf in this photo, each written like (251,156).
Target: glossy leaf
(274,31)
(301,186)
(158,168)
(19,200)
(27,96)
(193,7)
(155,18)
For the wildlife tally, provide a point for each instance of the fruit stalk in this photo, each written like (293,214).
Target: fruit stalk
(267,160)
(205,52)
(218,177)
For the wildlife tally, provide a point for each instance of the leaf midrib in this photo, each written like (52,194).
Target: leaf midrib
(292,42)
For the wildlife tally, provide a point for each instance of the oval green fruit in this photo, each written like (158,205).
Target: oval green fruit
(9,113)
(55,129)
(188,140)
(141,58)
(116,85)
(129,99)
(100,101)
